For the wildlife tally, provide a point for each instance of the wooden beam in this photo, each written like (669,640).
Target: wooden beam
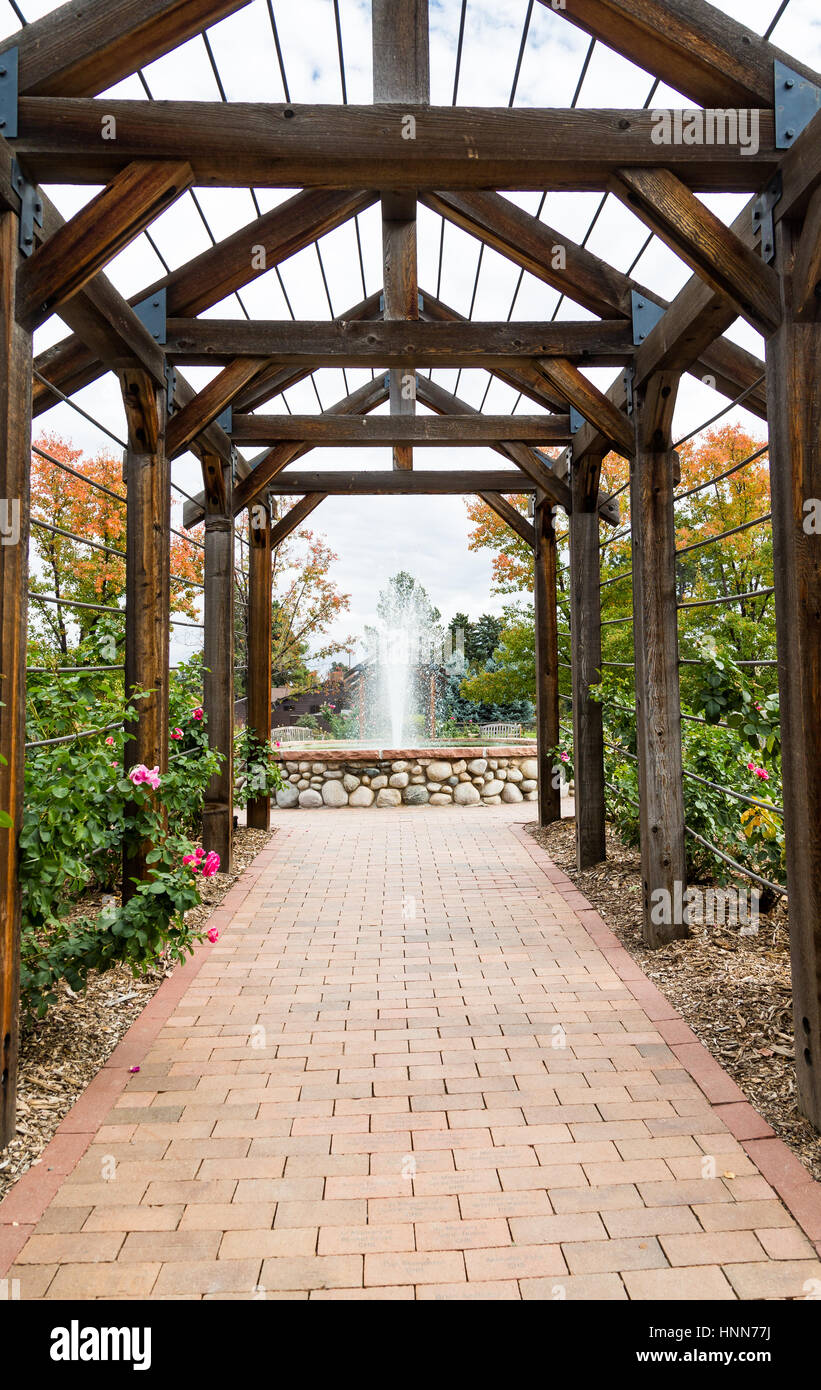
(210,277)
(218,658)
(548,732)
(587,280)
(241,145)
(592,403)
(295,517)
(692,46)
(204,408)
(439,482)
(344,343)
(15,468)
(378,431)
(793,374)
(148,590)
(87,46)
(698,314)
(536,466)
(401,73)
(258,674)
(253,486)
(655,633)
(99,231)
(585,662)
(703,241)
(511,516)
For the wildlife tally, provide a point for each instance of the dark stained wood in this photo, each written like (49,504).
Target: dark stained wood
(344,343)
(295,517)
(259,644)
(376,483)
(270,463)
(87,46)
(209,403)
(806,269)
(218,657)
(592,403)
(655,634)
(239,145)
(534,464)
(99,231)
(584,278)
(210,277)
(15,466)
(401,73)
(585,661)
(691,45)
(701,239)
(148,590)
(377,431)
(511,516)
(793,374)
(547,661)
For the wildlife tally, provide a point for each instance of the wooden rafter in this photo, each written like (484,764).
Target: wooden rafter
(87,46)
(708,246)
(510,515)
(295,517)
(694,47)
(212,276)
(586,279)
(75,253)
(203,408)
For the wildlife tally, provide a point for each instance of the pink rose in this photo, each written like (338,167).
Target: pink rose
(564,758)
(751,767)
(763,774)
(196,713)
(213,934)
(210,864)
(176,733)
(110,742)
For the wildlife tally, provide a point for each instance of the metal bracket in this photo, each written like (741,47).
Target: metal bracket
(225,420)
(170,388)
(234,465)
(627,378)
(646,314)
(576,420)
(419,300)
(763,216)
(796,101)
(152,313)
(31,208)
(9,72)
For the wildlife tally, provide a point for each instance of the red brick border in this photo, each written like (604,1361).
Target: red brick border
(797,1188)
(26,1201)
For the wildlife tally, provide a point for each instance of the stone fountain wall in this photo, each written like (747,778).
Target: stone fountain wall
(407,777)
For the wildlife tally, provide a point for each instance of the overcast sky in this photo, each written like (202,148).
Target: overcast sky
(374,537)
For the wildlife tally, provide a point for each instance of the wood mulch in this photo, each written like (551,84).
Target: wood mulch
(734,991)
(61,1053)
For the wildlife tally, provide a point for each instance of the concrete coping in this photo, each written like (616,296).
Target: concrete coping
(322,753)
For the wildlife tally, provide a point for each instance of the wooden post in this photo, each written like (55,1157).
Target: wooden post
(547,660)
(585,661)
(218,656)
(794,409)
(401,73)
(259,644)
(15,467)
(148,587)
(655,632)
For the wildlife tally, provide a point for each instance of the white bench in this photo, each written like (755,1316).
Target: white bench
(293,733)
(501,730)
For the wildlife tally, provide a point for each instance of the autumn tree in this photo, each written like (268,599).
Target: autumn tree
(68,510)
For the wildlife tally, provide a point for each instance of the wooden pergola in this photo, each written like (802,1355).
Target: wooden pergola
(401,151)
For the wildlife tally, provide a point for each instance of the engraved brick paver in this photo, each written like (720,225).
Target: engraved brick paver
(415,1065)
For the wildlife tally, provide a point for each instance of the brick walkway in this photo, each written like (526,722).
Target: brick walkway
(416,1064)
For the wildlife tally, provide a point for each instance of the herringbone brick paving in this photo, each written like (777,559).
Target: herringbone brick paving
(415,1066)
